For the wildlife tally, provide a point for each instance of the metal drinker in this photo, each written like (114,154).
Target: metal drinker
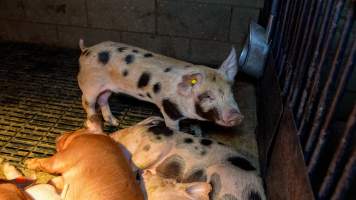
(253,56)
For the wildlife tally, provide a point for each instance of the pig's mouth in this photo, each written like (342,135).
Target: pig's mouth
(231,122)
(228,123)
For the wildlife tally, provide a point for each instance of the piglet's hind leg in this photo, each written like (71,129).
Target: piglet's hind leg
(105,108)
(56,164)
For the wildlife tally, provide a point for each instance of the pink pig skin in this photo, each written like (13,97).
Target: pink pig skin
(93,166)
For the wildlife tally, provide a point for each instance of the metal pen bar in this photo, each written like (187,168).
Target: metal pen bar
(321,143)
(287,41)
(304,111)
(340,158)
(314,63)
(345,182)
(313,136)
(281,38)
(291,38)
(330,84)
(303,56)
(300,42)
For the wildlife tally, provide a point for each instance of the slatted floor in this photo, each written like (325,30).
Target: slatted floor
(40,99)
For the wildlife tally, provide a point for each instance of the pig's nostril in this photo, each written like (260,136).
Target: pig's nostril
(236,118)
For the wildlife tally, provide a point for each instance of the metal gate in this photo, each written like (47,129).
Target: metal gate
(313,54)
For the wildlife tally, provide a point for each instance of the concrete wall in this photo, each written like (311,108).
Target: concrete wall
(200,31)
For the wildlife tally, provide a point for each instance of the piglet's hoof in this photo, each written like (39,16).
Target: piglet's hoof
(32,163)
(113,121)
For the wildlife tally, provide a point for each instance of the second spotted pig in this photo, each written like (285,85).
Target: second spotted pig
(180,89)
(187,159)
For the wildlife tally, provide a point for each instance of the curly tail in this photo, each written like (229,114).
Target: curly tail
(81,44)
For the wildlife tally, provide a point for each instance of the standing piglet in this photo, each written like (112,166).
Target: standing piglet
(92,166)
(180,89)
(185,158)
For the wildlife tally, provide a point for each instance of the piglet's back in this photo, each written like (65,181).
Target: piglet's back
(98,170)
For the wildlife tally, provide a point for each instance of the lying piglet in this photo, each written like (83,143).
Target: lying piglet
(159,188)
(188,159)
(181,90)
(31,191)
(92,165)
(9,191)
(23,187)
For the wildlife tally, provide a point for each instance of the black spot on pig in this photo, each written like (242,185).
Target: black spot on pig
(188,140)
(161,129)
(125,72)
(147,55)
(203,153)
(172,167)
(254,196)
(196,176)
(168,69)
(214,78)
(143,80)
(228,197)
(147,147)
(241,163)
(187,66)
(103,57)
(141,95)
(149,95)
(121,49)
(206,142)
(129,59)
(156,88)
(171,109)
(215,183)
(158,137)
(211,115)
(135,51)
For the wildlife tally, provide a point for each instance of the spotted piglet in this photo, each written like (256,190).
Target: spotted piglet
(188,159)
(180,89)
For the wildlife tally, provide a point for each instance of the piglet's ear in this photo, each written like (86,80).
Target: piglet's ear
(229,67)
(198,190)
(188,82)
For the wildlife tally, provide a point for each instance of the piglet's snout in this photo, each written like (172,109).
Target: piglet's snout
(232,117)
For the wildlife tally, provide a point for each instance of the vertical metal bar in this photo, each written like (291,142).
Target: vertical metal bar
(314,63)
(340,158)
(272,19)
(306,46)
(345,182)
(300,12)
(324,133)
(286,42)
(330,83)
(280,46)
(305,109)
(299,42)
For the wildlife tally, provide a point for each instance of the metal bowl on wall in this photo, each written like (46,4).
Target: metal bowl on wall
(253,56)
